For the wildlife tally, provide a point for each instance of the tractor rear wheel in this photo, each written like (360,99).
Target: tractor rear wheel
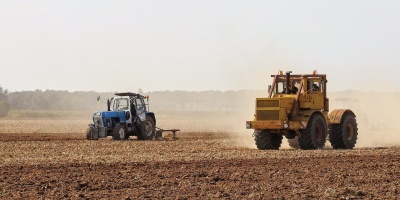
(148,129)
(120,132)
(344,135)
(266,140)
(294,143)
(314,136)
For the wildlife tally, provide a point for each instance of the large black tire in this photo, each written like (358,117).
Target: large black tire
(120,132)
(314,136)
(344,135)
(266,140)
(276,140)
(147,130)
(294,143)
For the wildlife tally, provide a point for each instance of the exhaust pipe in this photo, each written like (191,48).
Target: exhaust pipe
(108,105)
(288,81)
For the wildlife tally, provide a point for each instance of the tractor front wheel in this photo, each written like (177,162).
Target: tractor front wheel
(89,133)
(266,140)
(120,132)
(314,136)
(148,129)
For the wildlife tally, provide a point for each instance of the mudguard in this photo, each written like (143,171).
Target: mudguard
(151,114)
(336,115)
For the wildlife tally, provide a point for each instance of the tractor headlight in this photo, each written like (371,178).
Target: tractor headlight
(248,124)
(286,125)
(98,114)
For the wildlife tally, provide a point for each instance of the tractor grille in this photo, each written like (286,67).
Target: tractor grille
(267,114)
(267,103)
(98,121)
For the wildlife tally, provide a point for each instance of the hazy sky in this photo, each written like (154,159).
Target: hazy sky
(197,45)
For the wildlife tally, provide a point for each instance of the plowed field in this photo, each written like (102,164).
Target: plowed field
(44,163)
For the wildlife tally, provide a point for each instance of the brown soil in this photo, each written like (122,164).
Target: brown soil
(196,166)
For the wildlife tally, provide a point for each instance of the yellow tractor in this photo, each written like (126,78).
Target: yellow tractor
(297,107)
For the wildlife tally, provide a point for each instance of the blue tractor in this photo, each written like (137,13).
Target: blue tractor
(126,115)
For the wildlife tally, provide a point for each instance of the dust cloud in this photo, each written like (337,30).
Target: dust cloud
(376,114)
(231,124)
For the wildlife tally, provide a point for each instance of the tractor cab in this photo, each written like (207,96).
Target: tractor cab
(302,84)
(133,106)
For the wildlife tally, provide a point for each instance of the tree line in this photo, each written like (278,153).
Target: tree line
(63,100)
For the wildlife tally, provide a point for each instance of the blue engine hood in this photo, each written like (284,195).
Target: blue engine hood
(110,114)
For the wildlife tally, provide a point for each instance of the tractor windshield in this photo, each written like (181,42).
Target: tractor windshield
(120,104)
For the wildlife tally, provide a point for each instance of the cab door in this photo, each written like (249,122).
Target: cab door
(140,109)
(317,95)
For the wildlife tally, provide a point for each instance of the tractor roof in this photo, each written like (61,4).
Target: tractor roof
(130,94)
(301,76)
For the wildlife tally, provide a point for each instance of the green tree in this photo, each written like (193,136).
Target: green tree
(4,103)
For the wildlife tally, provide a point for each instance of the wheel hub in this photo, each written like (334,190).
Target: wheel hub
(121,133)
(148,128)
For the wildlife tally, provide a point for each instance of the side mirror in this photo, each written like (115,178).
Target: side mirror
(98,98)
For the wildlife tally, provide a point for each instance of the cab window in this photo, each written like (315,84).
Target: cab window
(280,87)
(139,104)
(314,86)
(122,104)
